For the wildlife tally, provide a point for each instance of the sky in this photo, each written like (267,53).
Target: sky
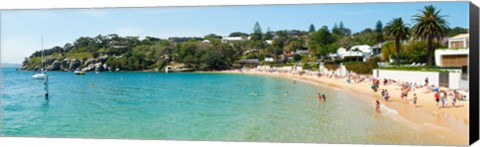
(21,30)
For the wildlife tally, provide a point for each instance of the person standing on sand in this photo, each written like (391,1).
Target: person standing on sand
(437,97)
(444,99)
(426,81)
(377,108)
(454,101)
(415,100)
(386,95)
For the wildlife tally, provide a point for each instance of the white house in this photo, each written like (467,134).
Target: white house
(269,59)
(459,41)
(457,53)
(268,41)
(364,51)
(232,39)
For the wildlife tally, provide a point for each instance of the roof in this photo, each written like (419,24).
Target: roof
(341,50)
(363,48)
(301,52)
(232,38)
(460,36)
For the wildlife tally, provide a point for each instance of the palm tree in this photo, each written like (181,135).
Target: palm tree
(398,31)
(430,25)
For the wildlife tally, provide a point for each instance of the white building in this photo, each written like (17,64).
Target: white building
(457,53)
(363,51)
(232,39)
(268,41)
(269,59)
(459,41)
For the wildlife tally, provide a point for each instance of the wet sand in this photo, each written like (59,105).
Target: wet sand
(451,123)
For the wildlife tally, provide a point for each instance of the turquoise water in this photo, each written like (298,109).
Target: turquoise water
(193,106)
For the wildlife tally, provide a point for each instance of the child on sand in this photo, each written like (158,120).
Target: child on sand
(377,108)
(386,95)
(444,99)
(437,97)
(454,101)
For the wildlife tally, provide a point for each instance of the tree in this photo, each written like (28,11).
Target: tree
(212,36)
(430,26)
(268,34)
(319,40)
(379,32)
(344,31)
(397,31)
(311,28)
(335,30)
(237,34)
(257,32)
(457,30)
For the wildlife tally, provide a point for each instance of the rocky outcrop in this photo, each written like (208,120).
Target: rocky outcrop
(54,66)
(89,61)
(102,59)
(74,64)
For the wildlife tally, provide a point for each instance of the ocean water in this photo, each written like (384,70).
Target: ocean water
(194,106)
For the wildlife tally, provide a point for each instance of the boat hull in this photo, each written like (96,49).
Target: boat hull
(39,76)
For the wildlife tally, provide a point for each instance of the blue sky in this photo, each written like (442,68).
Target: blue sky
(21,29)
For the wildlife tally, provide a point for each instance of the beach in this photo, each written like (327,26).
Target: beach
(451,121)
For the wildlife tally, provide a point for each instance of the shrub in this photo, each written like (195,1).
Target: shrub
(362,67)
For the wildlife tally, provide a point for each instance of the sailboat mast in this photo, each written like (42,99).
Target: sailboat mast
(42,52)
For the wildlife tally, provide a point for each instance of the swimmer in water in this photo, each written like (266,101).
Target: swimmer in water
(324,98)
(92,85)
(319,97)
(286,93)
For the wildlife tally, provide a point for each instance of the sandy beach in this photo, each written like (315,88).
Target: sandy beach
(449,122)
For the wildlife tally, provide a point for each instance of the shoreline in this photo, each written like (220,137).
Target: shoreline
(451,123)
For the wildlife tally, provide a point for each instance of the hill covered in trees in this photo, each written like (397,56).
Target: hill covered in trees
(116,53)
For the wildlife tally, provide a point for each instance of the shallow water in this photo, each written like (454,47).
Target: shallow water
(194,106)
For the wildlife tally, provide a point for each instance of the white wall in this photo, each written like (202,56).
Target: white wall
(454,80)
(408,76)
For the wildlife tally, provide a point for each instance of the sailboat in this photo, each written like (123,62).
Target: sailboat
(40,75)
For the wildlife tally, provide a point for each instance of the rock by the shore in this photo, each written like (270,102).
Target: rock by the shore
(89,61)
(74,64)
(54,66)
